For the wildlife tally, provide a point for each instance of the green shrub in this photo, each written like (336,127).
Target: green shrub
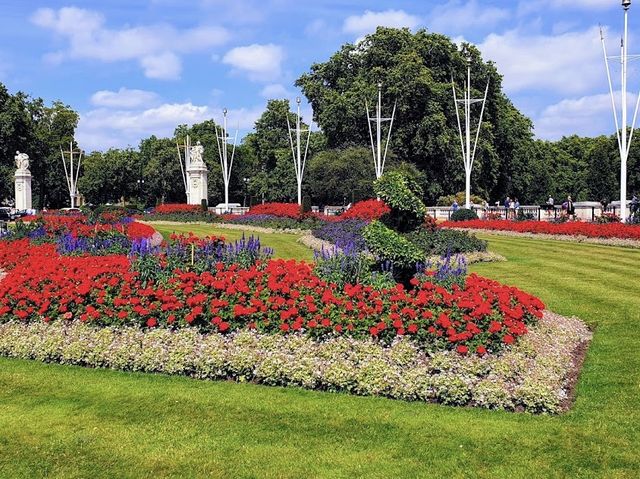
(306,204)
(204,205)
(461,198)
(389,245)
(522,216)
(402,195)
(464,214)
(443,241)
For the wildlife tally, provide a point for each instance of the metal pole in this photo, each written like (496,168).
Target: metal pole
(298,154)
(379,132)
(623,166)
(225,173)
(468,133)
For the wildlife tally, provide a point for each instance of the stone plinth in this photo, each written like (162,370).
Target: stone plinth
(197,177)
(23,190)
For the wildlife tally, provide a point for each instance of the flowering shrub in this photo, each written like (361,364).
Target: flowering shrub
(363,367)
(273,296)
(309,221)
(366,210)
(608,218)
(182,213)
(341,233)
(572,228)
(286,210)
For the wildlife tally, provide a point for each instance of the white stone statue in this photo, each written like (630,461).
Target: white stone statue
(22,161)
(195,154)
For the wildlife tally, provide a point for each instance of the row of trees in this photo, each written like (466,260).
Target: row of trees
(416,69)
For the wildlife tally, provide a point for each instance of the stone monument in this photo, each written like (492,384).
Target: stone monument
(23,182)
(197,175)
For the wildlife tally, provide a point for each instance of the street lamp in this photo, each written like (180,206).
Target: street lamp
(245,182)
(624,137)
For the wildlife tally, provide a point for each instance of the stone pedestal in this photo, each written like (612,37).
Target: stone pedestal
(197,177)
(23,190)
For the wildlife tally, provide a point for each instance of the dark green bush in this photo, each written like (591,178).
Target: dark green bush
(204,205)
(442,241)
(463,214)
(389,245)
(402,195)
(306,204)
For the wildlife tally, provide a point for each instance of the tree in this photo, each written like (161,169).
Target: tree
(111,176)
(274,175)
(601,175)
(416,69)
(336,176)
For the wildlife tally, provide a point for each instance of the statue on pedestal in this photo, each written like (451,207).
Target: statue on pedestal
(22,161)
(195,154)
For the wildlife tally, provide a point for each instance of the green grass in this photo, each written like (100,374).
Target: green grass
(61,421)
(284,245)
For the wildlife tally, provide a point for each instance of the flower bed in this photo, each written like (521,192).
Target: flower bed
(274,297)
(537,375)
(367,210)
(283,210)
(572,228)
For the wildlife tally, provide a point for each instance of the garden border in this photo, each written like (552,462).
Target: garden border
(537,375)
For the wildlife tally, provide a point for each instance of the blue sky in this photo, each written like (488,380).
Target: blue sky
(133,68)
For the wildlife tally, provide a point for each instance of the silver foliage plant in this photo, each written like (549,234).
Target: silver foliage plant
(530,376)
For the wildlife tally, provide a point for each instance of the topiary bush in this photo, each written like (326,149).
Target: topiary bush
(306,204)
(464,214)
(393,251)
(402,196)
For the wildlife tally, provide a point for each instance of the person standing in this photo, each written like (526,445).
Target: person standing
(571,209)
(635,204)
(455,205)
(507,203)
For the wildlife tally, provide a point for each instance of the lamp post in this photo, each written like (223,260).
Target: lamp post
(623,136)
(468,154)
(225,162)
(71,170)
(376,148)
(245,183)
(299,161)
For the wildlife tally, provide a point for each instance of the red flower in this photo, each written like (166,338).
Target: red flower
(508,339)
(152,323)
(223,326)
(462,349)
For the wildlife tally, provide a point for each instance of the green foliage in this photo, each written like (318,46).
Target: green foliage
(415,69)
(401,194)
(342,268)
(389,245)
(461,198)
(442,241)
(203,205)
(464,214)
(522,216)
(339,175)
(306,204)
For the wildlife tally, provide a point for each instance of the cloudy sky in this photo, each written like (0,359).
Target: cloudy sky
(139,67)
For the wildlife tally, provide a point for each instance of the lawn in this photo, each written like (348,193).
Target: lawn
(60,421)
(284,245)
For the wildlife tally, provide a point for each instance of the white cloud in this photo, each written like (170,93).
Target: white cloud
(587,116)
(531,6)
(260,62)
(123,98)
(164,66)
(89,38)
(456,16)
(274,90)
(369,21)
(567,63)
(105,127)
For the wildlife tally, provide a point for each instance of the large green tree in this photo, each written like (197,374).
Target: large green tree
(416,71)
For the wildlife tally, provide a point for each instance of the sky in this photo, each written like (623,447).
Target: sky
(133,68)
